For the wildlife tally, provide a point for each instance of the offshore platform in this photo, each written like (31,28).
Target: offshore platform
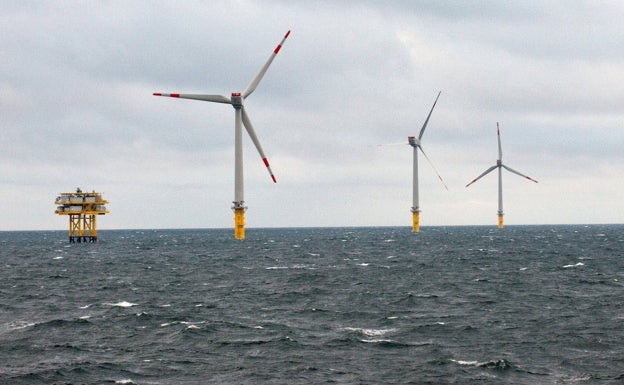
(82,209)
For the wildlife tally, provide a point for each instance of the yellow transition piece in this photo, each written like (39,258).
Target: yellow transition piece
(239,223)
(415,222)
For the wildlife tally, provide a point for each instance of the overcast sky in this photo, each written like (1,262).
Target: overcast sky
(76,110)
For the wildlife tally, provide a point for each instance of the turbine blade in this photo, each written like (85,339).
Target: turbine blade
(254,139)
(422,130)
(517,173)
(500,148)
(206,98)
(254,83)
(433,167)
(392,144)
(480,176)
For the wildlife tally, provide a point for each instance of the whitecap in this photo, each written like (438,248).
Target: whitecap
(371,332)
(125,382)
(189,325)
(59,257)
(122,304)
(465,363)
(21,325)
(575,265)
(377,341)
(497,364)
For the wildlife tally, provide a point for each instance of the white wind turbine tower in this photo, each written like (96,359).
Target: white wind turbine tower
(240,119)
(416,144)
(499,165)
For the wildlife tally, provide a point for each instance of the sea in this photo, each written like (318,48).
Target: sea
(371,305)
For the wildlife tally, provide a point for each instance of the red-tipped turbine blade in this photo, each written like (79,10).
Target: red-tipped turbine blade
(422,130)
(205,98)
(254,139)
(484,173)
(433,167)
(266,163)
(254,83)
(500,148)
(517,173)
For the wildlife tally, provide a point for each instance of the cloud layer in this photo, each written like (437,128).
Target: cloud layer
(77,109)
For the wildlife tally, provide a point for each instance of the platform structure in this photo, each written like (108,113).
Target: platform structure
(82,208)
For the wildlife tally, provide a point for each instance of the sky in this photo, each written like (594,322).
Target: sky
(76,110)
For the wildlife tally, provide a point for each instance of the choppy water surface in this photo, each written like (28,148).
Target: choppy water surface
(450,305)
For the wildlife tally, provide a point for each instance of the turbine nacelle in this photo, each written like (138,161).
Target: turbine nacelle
(413,141)
(237,100)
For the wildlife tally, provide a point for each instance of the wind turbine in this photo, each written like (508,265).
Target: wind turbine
(499,165)
(241,118)
(416,144)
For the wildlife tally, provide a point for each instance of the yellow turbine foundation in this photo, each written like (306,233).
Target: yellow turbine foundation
(239,223)
(415,222)
(500,221)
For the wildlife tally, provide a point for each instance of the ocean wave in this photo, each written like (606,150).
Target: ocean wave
(500,364)
(377,337)
(579,264)
(279,340)
(370,332)
(18,325)
(121,304)
(186,324)
(386,343)
(61,323)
